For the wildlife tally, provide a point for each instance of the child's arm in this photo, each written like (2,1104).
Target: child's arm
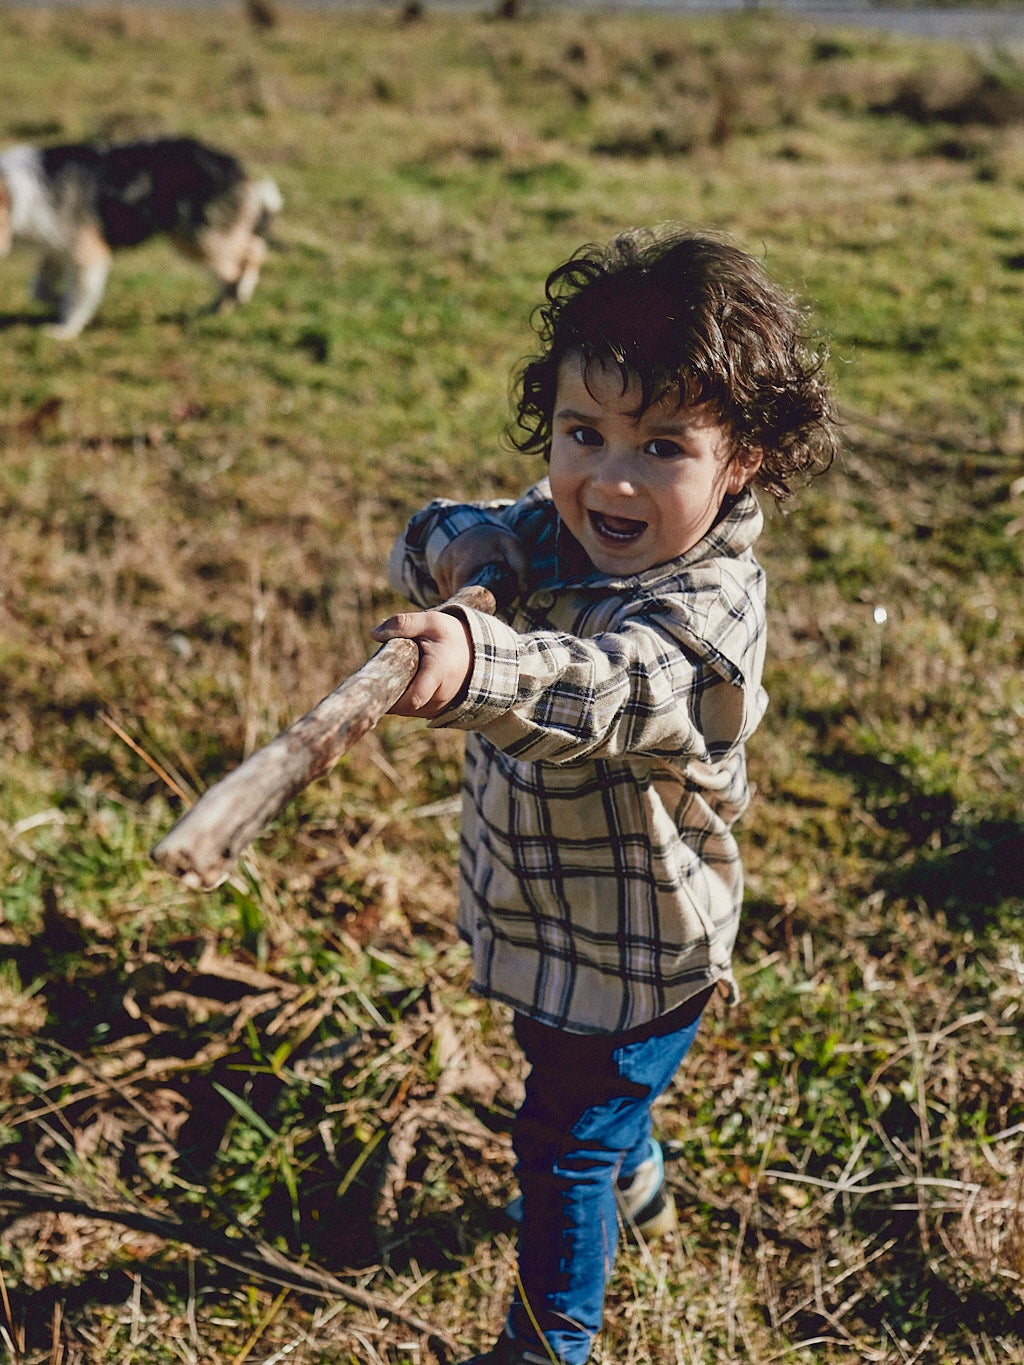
(445,643)
(468,538)
(677,676)
(555,697)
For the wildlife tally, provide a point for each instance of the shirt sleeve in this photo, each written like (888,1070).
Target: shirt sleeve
(637,690)
(414,557)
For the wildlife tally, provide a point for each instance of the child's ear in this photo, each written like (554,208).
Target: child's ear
(742,468)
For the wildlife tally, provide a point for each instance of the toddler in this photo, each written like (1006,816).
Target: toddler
(607,717)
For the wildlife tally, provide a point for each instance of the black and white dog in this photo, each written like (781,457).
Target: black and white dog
(80,202)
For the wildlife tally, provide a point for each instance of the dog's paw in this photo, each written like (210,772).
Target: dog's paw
(63,331)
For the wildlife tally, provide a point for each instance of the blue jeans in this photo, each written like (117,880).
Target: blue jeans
(585,1121)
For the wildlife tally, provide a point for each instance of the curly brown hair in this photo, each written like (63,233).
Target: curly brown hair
(687,316)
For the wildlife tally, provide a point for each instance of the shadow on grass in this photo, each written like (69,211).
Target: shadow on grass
(895,801)
(967,871)
(182,318)
(913,1293)
(904,1288)
(35,1311)
(295,1149)
(9,320)
(971,878)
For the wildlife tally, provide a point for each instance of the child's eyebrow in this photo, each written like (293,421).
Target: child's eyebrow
(681,426)
(573,415)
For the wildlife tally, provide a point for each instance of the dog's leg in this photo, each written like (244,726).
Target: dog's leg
(219,252)
(235,254)
(250,272)
(90,266)
(236,263)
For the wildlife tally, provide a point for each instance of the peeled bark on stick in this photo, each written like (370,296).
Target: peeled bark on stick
(202,847)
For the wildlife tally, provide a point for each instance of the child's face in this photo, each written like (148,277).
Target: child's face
(636,491)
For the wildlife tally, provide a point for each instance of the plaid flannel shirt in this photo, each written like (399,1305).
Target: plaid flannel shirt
(600,881)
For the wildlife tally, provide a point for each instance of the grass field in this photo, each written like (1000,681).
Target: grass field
(268,1124)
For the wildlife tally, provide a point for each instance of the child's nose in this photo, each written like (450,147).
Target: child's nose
(616,472)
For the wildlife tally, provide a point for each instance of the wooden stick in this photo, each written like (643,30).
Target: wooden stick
(203,846)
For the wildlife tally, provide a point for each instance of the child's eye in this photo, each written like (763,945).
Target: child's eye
(664,449)
(585,436)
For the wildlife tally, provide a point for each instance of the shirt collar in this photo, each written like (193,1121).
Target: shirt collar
(739,524)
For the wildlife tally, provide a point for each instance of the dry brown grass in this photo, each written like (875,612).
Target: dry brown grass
(196,521)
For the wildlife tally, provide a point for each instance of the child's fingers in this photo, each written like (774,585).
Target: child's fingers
(404,625)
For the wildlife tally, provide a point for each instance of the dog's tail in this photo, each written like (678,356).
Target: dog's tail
(270,203)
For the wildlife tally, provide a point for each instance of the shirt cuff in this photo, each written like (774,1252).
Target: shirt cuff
(492,686)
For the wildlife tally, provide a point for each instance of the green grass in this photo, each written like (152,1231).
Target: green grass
(197,514)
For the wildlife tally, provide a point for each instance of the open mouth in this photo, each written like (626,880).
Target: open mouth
(617,530)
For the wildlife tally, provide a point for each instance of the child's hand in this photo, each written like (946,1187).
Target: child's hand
(463,558)
(446,657)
